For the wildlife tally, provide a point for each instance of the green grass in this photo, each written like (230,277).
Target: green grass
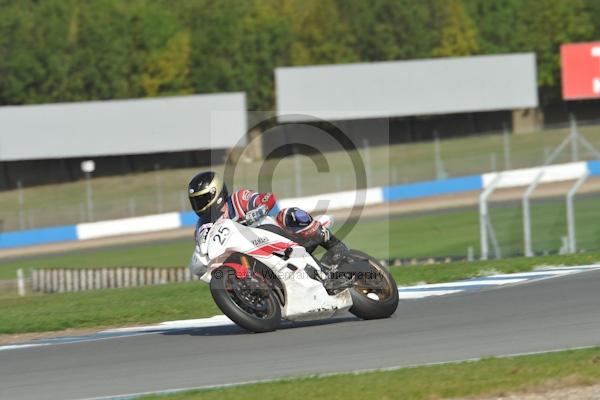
(437,273)
(145,193)
(489,377)
(169,254)
(111,307)
(438,234)
(118,307)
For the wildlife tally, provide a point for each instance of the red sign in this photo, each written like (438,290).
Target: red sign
(580,70)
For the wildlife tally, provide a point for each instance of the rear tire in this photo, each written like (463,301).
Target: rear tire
(365,307)
(225,298)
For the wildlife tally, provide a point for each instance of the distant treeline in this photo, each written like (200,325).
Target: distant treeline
(73,50)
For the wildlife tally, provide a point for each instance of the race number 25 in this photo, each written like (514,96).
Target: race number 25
(222,235)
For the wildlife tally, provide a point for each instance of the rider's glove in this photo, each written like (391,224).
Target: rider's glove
(325,233)
(255,215)
(202,237)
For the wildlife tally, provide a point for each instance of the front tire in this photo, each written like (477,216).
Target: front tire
(374,297)
(262,316)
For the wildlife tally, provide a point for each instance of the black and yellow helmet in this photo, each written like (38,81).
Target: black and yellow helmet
(208,194)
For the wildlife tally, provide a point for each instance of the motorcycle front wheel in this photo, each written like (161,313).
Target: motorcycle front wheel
(375,294)
(252,308)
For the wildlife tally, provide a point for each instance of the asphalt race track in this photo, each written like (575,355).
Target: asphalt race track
(543,315)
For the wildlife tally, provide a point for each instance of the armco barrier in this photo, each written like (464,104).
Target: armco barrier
(341,200)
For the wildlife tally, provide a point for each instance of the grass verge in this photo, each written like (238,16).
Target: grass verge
(119,307)
(165,254)
(489,377)
(111,307)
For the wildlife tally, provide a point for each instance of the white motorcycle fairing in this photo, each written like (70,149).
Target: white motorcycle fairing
(305,298)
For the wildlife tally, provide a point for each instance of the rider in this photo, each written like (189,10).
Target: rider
(210,200)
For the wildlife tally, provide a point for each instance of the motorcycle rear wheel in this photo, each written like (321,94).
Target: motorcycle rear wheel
(375,296)
(263,315)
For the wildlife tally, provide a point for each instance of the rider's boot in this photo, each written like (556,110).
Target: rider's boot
(337,252)
(312,233)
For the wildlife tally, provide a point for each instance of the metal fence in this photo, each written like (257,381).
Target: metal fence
(555,219)
(164,190)
(60,280)
(548,223)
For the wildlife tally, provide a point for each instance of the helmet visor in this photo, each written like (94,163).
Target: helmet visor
(202,202)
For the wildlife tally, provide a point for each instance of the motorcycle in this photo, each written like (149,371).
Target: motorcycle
(259,275)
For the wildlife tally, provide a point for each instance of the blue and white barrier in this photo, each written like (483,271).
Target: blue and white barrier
(332,201)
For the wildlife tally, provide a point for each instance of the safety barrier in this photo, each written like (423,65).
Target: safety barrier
(331,201)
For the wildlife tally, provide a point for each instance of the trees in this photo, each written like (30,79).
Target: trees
(321,36)
(455,32)
(74,50)
(388,29)
(167,69)
(592,9)
(495,24)
(70,50)
(542,26)
(533,26)
(35,58)
(268,38)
